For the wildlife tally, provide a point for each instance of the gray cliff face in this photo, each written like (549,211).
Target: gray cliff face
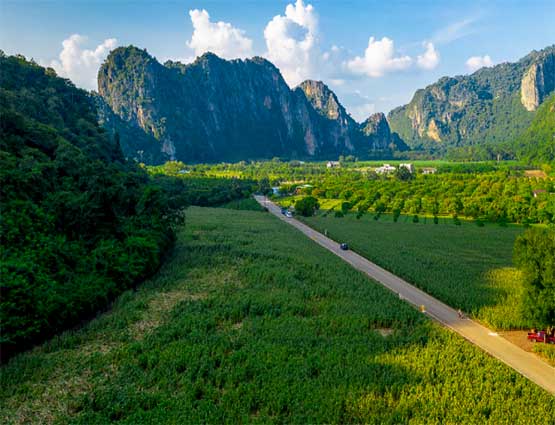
(491,105)
(135,143)
(376,126)
(214,109)
(333,118)
(538,82)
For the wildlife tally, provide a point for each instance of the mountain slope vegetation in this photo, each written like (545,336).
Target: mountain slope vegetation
(491,106)
(537,143)
(79,224)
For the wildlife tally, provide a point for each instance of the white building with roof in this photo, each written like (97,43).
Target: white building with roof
(385,169)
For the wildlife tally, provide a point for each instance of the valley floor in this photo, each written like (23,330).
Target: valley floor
(465,266)
(250,321)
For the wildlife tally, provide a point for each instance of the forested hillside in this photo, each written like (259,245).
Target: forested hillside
(79,224)
(491,106)
(537,144)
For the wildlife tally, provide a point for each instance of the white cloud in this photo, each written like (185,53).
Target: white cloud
(455,31)
(337,82)
(476,62)
(379,59)
(292,42)
(81,65)
(220,38)
(430,58)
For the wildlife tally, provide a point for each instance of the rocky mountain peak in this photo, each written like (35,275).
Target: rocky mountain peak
(376,123)
(482,107)
(322,99)
(214,109)
(377,128)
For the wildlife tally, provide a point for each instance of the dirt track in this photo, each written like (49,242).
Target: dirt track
(523,362)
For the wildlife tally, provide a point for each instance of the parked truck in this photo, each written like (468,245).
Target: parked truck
(542,336)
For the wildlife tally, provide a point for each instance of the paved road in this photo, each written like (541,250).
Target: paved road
(523,362)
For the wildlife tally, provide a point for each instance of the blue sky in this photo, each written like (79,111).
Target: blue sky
(414,42)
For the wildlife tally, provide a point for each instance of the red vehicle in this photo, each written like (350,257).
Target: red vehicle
(540,336)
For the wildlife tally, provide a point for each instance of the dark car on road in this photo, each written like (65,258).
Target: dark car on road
(344,246)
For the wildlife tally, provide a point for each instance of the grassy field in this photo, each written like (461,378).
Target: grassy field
(249,321)
(466,266)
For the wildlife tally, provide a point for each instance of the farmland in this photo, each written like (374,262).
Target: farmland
(501,193)
(248,321)
(466,266)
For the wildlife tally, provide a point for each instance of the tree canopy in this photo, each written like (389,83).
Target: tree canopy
(79,224)
(535,255)
(307,206)
(537,143)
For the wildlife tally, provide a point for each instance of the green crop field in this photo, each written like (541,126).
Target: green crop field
(249,321)
(466,266)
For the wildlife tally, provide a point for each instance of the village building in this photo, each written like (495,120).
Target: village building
(385,169)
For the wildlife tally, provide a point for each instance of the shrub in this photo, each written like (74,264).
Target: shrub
(307,206)
(345,207)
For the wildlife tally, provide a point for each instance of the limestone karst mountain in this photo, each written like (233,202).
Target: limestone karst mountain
(214,109)
(492,105)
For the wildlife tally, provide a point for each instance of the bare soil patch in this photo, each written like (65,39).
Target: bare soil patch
(518,338)
(384,331)
(535,173)
(163,303)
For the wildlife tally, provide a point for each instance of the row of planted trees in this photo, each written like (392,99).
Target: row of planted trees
(495,197)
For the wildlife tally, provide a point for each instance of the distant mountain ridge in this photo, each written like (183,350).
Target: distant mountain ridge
(492,105)
(216,110)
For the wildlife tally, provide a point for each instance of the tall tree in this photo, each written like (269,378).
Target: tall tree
(535,255)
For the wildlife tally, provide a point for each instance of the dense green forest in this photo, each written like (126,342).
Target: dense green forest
(535,255)
(184,187)
(537,143)
(79,225)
